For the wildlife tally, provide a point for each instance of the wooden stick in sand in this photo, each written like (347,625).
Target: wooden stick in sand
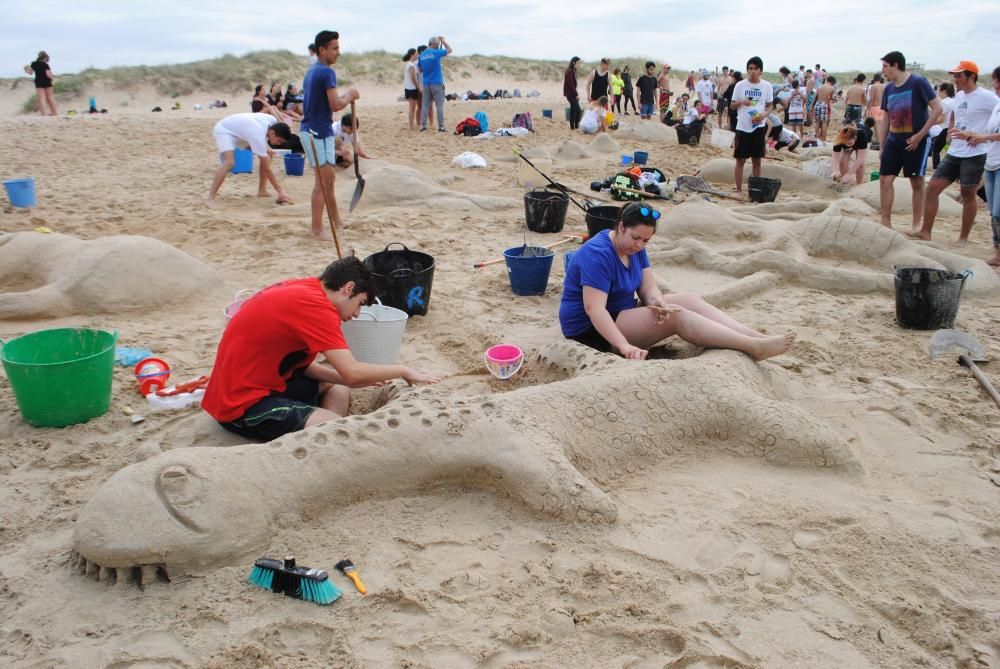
(574,238)
(326,196)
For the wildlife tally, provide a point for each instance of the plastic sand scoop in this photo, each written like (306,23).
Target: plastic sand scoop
(969,350)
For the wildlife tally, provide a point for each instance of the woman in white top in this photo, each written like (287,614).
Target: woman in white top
(594,121)
(939,131)
(411,87)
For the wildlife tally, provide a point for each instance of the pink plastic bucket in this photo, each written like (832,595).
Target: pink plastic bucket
(504,360)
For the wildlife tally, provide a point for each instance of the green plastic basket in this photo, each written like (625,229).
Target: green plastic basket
(61,377)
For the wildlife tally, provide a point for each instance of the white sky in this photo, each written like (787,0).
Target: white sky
(842,35)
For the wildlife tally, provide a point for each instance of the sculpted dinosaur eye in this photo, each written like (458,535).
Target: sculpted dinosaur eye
(179,485)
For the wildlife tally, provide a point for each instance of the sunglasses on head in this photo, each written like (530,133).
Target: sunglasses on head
(647,212)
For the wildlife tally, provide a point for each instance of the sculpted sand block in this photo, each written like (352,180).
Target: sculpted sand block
(57,275)
(556,449)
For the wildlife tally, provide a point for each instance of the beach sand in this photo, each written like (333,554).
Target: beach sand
(713,560)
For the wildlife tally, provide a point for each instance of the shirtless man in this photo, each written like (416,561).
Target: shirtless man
(663,81)
(875,97)
(725,81)
(855,100)
(823,107)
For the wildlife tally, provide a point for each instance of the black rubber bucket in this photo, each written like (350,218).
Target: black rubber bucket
(403,278)
(927,299)
(600,218)
(763,189)
(545,211)
(689,133)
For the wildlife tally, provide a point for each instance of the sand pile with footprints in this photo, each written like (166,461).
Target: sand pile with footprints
(834,506)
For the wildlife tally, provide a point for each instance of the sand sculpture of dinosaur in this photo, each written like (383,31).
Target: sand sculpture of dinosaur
(554,448)
(787,241)
(58,275)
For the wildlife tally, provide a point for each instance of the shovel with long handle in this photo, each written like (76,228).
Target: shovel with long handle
(360,188)
(326,195)
(969,350)
(517,152)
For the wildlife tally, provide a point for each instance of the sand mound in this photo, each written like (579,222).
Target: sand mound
(49,275)
(648,132)
(604,144)
(398,186)
(720,170)
(570,150)
(902,203)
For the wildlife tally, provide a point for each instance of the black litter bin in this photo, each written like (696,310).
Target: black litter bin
(927,299)
(763,189)
(545,211)
(600,218)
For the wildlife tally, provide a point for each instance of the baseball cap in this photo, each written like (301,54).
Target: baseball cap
(965,66)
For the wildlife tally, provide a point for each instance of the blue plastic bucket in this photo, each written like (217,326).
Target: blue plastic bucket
(528,269)
(546,113)
(243,162)
(626,160)
(21,192)
(295,163)
(640,157)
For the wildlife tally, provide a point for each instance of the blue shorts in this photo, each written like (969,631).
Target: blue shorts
(646,110)
(279,413)
(326,148)
(895,157)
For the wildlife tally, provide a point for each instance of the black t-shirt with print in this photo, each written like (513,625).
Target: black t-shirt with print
(647,87)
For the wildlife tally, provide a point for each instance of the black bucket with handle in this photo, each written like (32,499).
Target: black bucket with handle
(403,278)
(602,217)
(545,211)
(927,299)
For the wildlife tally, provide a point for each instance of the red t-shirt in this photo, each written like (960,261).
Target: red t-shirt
(276,332)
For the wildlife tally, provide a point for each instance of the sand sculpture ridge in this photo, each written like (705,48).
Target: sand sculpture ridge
(554,448)
(791,248)
(61,275)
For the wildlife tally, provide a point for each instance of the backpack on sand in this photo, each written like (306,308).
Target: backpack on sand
(523,120)
(468,128)
(484,122)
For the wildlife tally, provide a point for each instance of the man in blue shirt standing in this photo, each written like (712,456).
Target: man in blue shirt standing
(320,101)
(433,79)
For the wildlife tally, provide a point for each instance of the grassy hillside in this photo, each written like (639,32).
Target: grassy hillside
(232,75)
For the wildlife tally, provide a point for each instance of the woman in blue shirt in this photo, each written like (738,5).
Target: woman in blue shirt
(599,306)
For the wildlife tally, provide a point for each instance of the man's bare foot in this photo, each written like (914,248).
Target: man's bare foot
(886,224)
(961,242)
(994,261)
(210,202)
(263,193)
(768,347)
(917,233)
(324,236)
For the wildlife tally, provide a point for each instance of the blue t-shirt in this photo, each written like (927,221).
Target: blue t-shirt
(906,106)
(317,116)
(430,66)
(597,265)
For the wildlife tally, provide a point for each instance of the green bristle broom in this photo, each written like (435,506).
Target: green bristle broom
(311,585)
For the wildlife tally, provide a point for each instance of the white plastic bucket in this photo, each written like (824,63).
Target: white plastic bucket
(723,138)
(376,334)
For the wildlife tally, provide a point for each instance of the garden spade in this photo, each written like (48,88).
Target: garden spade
(360,188)
(969,350)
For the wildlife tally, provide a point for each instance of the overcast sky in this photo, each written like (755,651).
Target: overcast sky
(841,35)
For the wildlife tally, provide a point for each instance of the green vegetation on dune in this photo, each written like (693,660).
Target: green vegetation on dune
(232,75)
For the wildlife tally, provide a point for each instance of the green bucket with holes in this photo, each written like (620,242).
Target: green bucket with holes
(61,377)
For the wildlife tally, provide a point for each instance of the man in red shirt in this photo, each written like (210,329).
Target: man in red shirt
(266,381)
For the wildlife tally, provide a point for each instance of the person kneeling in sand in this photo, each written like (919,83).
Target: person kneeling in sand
(599,307)
(595,120)
(261,133)
(343,132)
(266,381)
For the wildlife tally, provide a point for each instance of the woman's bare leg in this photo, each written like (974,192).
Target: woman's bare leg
(641,329)
(694,302)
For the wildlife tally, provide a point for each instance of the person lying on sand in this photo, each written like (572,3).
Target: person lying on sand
(261,133)
(599,307)
(266,382)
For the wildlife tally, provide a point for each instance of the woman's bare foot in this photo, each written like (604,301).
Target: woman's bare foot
(917,233)
(210,202)
(325,236)
(769,347)
(994,261)
(263,193)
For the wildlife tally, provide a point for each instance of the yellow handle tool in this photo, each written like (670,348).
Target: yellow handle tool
(351,572)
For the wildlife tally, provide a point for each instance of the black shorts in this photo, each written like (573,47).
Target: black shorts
(895,157)
(776,132)
(592,338)
(968,172)
(721,106)
(750,144)
(279,413)
(411,93)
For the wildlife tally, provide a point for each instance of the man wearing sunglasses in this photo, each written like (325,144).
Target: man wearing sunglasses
(600,309)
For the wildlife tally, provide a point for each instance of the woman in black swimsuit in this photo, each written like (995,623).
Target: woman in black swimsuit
(43,83)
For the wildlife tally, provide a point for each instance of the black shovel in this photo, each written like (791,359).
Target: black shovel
(360,188)
(969,350)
